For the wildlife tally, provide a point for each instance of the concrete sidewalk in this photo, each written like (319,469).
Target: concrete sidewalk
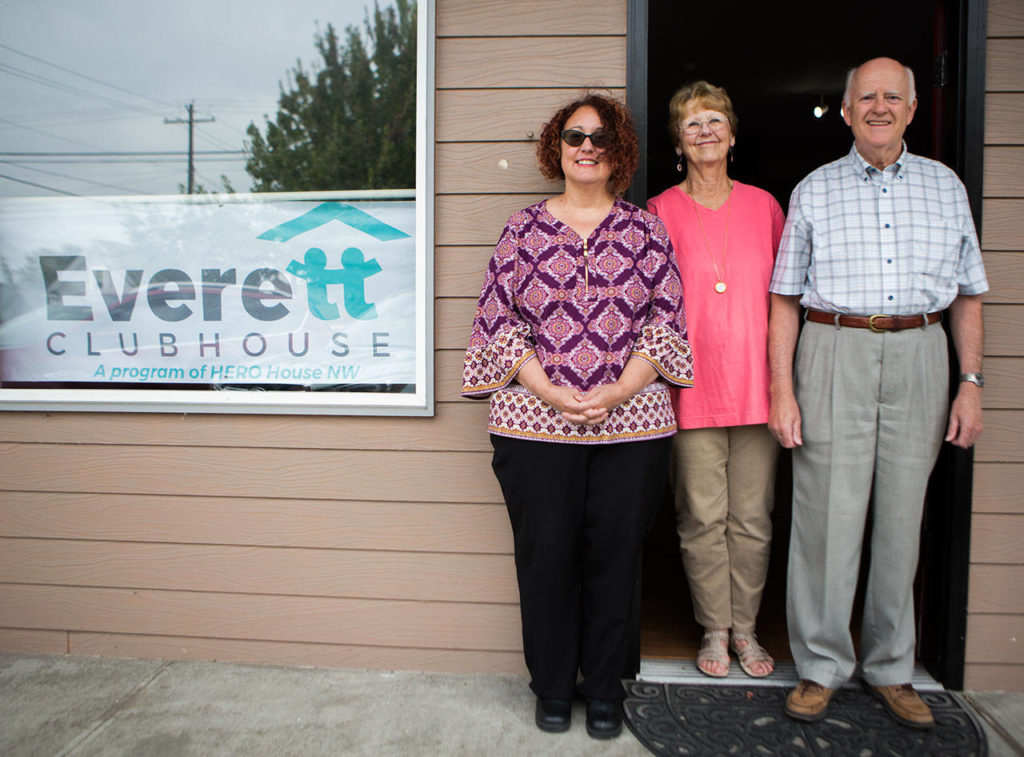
(78,706)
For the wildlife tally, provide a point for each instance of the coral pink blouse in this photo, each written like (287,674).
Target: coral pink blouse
(728,331)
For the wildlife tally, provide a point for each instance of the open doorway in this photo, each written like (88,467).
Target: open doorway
(780,63)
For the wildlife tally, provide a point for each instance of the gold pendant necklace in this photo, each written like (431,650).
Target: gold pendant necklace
(719,278)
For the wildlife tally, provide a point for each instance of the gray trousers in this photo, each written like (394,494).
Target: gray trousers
(873,408)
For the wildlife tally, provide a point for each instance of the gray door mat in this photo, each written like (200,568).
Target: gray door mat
(691,719)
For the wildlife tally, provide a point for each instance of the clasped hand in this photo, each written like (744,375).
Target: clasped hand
(587,408)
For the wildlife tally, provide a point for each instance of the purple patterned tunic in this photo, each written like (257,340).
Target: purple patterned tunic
(583,308)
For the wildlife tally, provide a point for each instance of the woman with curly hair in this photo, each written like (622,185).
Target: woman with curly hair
(578,333)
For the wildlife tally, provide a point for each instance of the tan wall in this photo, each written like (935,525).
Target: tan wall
(370,542)
(361,542)
(995,623)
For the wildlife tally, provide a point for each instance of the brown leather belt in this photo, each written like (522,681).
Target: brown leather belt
(874,322)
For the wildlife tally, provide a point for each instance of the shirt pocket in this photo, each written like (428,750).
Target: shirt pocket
(934,249)
(841,247)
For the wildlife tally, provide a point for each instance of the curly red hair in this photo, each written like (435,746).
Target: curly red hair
(623,152)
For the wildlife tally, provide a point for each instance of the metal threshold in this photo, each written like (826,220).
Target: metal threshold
(685,672)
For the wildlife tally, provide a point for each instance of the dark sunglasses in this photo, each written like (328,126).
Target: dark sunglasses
(574,138)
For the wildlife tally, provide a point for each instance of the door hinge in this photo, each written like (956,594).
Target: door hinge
(940,70)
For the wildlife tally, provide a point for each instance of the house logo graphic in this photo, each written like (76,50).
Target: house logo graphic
(354,270)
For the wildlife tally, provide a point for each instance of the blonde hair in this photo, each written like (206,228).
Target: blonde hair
(705,94)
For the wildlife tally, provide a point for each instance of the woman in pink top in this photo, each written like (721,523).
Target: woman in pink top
(725,236)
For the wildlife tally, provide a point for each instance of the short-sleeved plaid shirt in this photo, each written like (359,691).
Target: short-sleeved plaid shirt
(897,242)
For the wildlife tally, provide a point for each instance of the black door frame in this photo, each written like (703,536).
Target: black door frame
(946,539)
(945,546)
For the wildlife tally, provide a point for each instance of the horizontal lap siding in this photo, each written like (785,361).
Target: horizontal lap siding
(994,655)
(458,271)
(1004,119)
(998,487)
(350,574)
(446,432)
(260,617)
(469,219)
(527,18)
(284,474)
(482,115)
(475,167)
(357,542)
(503,69)
(426,527)
(1004,268)
(1004,377)
(1004,171)
(549,62)
(988,589)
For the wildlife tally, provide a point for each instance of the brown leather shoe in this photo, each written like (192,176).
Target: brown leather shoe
(904,705)
(808,701)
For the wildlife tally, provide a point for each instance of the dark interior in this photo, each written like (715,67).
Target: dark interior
(777,61)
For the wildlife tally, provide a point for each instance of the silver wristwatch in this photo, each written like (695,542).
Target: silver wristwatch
(975,378)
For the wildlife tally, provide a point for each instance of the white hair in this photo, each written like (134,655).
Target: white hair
(849,82)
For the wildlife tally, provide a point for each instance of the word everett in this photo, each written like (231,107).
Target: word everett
(169,289)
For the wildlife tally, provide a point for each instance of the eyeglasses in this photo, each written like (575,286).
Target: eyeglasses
(715,123)
(574,138)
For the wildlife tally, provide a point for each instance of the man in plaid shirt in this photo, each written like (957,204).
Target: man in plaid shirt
(877,244)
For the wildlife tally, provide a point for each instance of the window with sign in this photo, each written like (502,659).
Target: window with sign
(225,215)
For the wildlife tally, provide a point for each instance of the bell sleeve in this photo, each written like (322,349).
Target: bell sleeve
(500,342)
(662,341)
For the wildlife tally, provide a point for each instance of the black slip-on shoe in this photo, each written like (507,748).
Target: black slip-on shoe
(553,715)
(604,718)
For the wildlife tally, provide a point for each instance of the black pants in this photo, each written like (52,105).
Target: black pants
(579,515)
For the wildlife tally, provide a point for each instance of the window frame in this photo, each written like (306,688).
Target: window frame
(417,403)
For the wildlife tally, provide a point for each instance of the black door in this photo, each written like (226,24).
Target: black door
(779,62)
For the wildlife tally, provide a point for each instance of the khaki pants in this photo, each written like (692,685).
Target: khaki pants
(874,408)
(723,481)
